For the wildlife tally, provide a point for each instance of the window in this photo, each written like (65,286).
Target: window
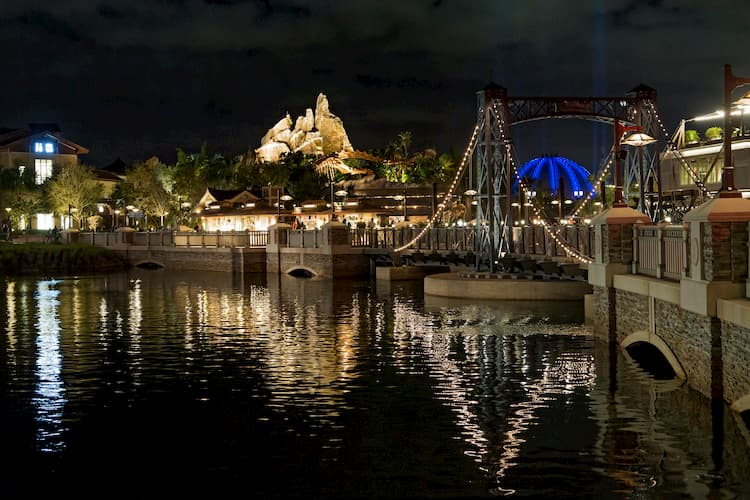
(44,147)
(42,170)
(701,166)
(21,169)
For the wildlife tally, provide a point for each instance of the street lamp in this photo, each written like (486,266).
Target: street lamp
(279,199)
(401,197)
(117,217)
(470,193)
(340,193)
(638,139)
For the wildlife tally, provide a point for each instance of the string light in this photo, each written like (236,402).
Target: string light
(671,147)
(441,207)
(570,252)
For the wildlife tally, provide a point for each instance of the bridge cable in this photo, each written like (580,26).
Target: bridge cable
(571,252)
(459,174)
(670,146)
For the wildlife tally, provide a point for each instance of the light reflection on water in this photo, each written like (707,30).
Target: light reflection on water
(360,389)
(49,397)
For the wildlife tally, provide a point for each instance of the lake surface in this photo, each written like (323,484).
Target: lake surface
(154,384)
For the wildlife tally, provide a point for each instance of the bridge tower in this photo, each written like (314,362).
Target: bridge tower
(642,172)
(494,175)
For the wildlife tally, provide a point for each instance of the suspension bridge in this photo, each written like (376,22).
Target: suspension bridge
(490,160)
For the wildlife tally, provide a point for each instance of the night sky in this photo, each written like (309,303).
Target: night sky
(134,79)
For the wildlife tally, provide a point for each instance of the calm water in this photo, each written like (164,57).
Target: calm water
(148,384)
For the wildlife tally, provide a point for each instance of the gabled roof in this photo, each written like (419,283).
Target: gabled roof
(104,175)
(227,196)
(38,130)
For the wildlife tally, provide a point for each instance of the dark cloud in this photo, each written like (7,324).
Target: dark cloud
(132,79)
(374,81)
(50,24)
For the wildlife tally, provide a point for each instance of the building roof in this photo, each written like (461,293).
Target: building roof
(104,175)
(11,137)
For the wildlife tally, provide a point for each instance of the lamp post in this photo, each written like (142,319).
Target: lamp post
(402,198)
(340,193)
(470,194)
(638,139)
(279,199)
(117,217)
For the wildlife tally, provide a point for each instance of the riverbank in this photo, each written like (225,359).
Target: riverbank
(32,258)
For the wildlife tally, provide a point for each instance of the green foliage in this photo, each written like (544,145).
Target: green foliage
(194,173)
(692,136)
(20,193)
(74,189)
(144,188)
(714,133)
(399,165)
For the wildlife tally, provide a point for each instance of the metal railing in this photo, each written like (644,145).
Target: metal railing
(660,251)
(535,240)
(183,239)
(457,239)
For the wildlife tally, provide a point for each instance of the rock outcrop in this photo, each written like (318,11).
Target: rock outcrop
(331,128)
(316,134)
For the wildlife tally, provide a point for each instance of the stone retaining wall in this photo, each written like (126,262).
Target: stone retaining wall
(689,335)
(735,348)
(244,260)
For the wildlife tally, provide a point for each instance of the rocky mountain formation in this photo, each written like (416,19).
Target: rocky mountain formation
(317,134)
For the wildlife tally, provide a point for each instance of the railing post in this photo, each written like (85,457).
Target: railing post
(634,264)
(659,252)
(685,251)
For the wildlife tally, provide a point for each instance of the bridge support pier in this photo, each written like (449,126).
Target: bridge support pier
(332,256)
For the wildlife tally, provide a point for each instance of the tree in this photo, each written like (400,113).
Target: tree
(195,172)
(144,188)
(20,193)
(74,190)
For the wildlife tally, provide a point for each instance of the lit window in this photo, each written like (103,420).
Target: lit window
(42,170)
(44,147)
